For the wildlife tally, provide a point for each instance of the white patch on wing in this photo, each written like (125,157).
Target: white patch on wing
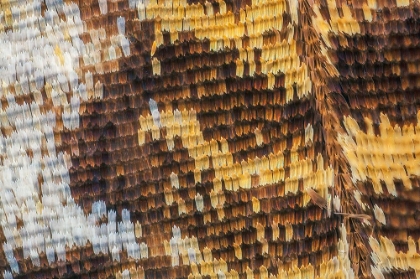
(37,211)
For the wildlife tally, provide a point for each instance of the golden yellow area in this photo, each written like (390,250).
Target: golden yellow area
(221,29)
(216,153)
(393,154)
(59,54)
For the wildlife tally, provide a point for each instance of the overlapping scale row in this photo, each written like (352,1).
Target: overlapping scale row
(209,139)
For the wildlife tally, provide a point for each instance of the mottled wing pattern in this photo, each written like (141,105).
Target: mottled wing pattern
(209,139)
